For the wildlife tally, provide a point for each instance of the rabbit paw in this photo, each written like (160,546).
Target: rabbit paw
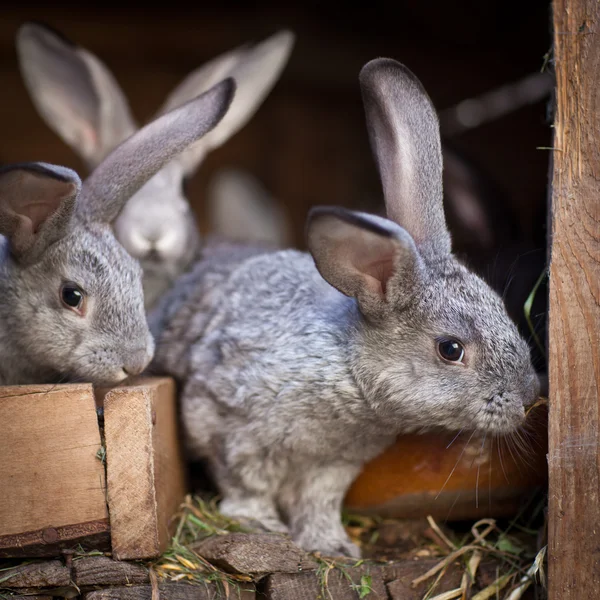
(254,514)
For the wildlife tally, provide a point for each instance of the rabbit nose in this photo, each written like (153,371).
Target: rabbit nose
(166,243)
(534,389)
(158,246)
(136,362)
(132,370)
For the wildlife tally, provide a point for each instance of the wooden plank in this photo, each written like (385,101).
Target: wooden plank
(53,485)
(574,353)
(171,591)
(399,578)
(393,580)
(254,554)
(101,570)
(145,470)
(51,573)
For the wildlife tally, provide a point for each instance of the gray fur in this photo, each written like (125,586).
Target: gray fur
(290,385)
(54,230)
(81,101)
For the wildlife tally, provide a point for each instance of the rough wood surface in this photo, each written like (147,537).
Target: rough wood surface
(399,579)
(574,353)
(254,554)
(51,573)
(31,597)
(169,591)
(145,470)
(53,485)
(89,536)
(384,581)
(102,570)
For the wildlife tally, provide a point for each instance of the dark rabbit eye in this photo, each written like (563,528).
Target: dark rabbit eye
(451,350)
(72,296)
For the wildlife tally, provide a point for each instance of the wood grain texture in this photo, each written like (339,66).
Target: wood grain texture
(90,571)
(392,580)
(574,353)
(53,485)
(169,591)
(254,554)
(145,470)
(51,573)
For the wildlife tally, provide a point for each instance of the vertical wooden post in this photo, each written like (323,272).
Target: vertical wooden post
(574,353)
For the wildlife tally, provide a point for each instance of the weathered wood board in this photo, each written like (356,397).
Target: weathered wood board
(574,347)
(145,469)
(52,485)
(55,491)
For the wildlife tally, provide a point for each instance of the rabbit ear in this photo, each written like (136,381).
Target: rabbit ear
(255,71)
(127,168)
(404,133)
(37,201)
(363,256)
(240,208)
(74,92)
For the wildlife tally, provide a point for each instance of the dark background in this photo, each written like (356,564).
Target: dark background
(308,142)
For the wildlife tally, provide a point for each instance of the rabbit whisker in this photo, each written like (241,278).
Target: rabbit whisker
(478,469)
(456,465)
(497,438)
(455,438)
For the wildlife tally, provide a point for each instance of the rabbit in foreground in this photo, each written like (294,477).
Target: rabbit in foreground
(82,102)
(298,369)
(71,299)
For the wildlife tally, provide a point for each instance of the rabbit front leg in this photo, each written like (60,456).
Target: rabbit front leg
(247,488)
(243,504)
(312,501)
(246,481)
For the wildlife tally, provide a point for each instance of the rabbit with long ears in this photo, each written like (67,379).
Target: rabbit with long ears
(82,102)
(298,368)
(71,299)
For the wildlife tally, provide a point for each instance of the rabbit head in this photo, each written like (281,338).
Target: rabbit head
(82,102)
(71,296)
(452,354)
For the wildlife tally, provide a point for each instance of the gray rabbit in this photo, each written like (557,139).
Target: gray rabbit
(298,368)
(71,299)
(80,99)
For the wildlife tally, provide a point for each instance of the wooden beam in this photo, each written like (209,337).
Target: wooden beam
(574,353)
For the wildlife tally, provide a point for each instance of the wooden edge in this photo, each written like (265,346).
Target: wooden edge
(145,470)
(170,475)
(12,391)
(130,472)
(142,381)
(49,542)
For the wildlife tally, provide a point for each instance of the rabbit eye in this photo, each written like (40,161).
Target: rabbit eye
(450,350)
(72,296)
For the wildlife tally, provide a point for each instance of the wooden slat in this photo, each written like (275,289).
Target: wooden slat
(52,573)
(574,353)
(52,484)
(145,470)
(172,591)
(90,571)
(255,554)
